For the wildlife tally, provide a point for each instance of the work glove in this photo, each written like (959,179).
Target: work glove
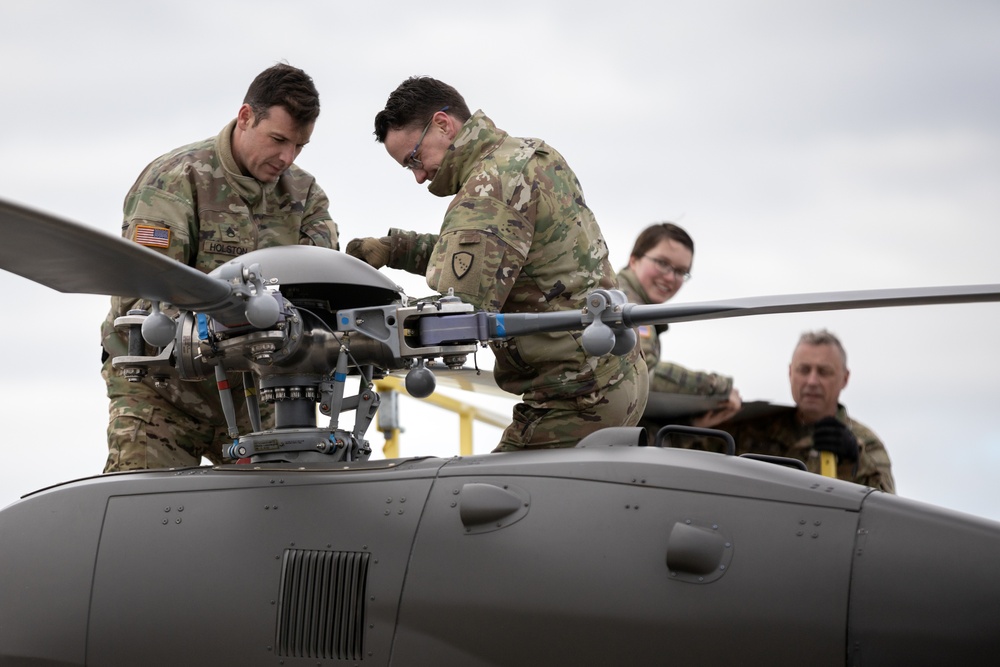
(371,250)
(831,435)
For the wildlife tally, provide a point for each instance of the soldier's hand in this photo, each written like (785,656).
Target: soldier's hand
(371,250)
(832,435)
(725,411)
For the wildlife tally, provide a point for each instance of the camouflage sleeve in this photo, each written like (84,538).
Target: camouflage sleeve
(411,251)
(318,228)
(649,343)
(478,265)
(162,220)
(874,467)
(649,335)
(674,378)
(149,209)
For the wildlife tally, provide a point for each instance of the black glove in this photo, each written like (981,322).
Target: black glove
(831,435)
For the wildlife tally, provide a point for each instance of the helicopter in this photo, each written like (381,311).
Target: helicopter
(306,552)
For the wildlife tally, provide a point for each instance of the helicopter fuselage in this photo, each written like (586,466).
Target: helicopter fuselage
(608,553)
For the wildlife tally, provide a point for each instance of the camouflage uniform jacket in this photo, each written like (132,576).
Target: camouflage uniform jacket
(782,434)
(649,334)
(665,376)
(195,206)
(517,238)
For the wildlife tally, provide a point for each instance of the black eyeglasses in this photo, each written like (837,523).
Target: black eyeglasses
(666,267)
(412,162)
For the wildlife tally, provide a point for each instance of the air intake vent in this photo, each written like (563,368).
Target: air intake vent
(321,612)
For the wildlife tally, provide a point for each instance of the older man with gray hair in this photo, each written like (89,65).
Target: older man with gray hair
(819,422)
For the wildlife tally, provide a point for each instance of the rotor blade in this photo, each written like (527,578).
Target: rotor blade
(75,259)
(668,405)
(515,324)
(803,303)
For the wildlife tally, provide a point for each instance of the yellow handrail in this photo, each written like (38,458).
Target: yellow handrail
(466,414)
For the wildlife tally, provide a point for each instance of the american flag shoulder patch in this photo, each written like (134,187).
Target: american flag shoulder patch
(646,331)
(156,237)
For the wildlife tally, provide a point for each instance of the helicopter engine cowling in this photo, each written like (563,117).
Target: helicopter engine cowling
(319,279)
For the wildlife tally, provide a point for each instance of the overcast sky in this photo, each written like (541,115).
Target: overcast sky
(806,146)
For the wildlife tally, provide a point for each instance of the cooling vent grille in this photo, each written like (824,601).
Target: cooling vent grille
(321,609)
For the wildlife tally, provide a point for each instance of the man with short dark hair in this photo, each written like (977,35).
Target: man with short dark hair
(204,204)
(518,237)
(819,422)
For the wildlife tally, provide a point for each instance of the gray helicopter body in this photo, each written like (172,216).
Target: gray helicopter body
(308,554)
(608,553)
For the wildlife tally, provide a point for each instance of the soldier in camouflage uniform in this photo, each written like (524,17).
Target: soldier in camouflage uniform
(517,237)
(204,204)
(818,422)
(659,265)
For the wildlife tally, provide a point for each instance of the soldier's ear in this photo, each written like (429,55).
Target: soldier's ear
(451,125)
(244,118)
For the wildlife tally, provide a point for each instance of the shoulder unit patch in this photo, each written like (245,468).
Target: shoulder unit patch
(461,262)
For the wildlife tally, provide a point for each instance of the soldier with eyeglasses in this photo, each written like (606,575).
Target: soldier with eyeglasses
(517,237)
(658,267)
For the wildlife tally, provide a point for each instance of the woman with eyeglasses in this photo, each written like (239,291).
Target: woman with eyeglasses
(658,267)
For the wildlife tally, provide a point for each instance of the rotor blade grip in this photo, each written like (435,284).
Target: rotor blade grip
(504,325)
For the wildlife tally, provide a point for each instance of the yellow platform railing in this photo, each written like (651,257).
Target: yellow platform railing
(467,414)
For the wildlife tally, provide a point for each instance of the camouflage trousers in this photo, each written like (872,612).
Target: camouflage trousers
(563,422)
(150,427)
